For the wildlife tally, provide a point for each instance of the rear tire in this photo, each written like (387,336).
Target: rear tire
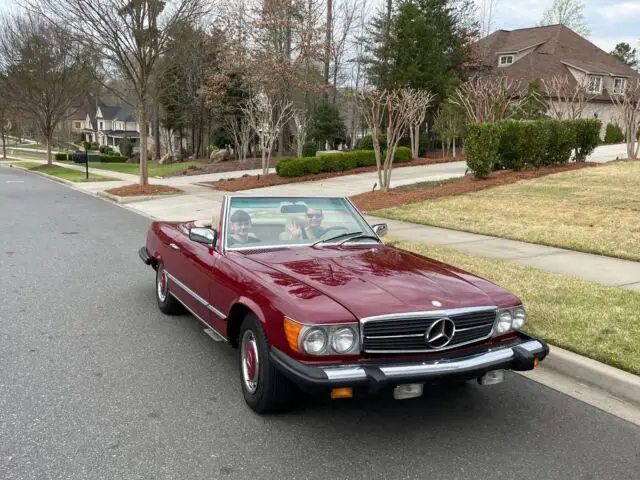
(167,303)
(264,388)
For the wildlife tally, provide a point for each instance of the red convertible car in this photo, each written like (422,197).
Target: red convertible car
(308,292)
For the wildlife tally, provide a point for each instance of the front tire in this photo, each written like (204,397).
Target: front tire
(264,388)
(167,303)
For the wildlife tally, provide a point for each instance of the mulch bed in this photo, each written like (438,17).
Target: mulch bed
(370,201)
(137,190)
(227,166)
(272,179)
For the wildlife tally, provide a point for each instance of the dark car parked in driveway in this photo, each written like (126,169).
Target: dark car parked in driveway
(313,298)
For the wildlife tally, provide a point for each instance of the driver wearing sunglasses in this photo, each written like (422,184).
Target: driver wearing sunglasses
(313,229)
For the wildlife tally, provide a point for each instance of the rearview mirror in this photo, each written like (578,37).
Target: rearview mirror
(294,208)
(206,236)
(380,229)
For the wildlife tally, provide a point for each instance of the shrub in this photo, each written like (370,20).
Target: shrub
(126,147)
(60,157)
(587,137)
(86,145)
(483,145)
(94,146)
(334,162)
(309,149)
(560,141)
(106,149)
(613,134)
(366,142)
(104,158)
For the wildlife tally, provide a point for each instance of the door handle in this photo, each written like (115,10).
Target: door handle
(174,246)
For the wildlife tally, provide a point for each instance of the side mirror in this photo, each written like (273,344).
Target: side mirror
(206,236)
(380,229)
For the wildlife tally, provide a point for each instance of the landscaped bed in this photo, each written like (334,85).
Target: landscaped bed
(419,192)
(272,179)
(63,173)
(142,190)
(597,321)
(595,210)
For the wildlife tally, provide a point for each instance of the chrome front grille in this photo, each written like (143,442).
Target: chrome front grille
(407,333)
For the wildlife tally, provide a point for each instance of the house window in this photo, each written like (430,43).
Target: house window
(101,126)
(595,84)
(78,125)
(506,60)
(619,85)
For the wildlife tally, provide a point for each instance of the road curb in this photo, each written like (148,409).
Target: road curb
(141,198)
(619,383)
(51,177)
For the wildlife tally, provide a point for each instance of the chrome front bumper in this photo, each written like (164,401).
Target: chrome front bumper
(522,354)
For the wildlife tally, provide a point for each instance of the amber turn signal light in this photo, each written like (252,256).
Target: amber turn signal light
(291,331)
(536,362)
(345,392)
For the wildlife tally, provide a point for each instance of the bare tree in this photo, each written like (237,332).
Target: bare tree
(45,72)
(423,100)
(396,109)
(568,100)
(569,13)
(129,36)
(239,129)
(267,118)
(301,119)
(488,99)
(628,105)
(341,29)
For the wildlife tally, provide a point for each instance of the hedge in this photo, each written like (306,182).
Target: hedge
(104,158)
(59,157)
(613,134)
(366,142)
(518,144)
(334,162)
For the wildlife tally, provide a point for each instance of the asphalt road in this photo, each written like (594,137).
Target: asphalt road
(95,383)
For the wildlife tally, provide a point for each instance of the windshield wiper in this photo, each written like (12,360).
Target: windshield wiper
(358,237)
(337,237)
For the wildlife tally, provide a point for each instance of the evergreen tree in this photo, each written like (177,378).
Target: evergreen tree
(533,106)
(626,54)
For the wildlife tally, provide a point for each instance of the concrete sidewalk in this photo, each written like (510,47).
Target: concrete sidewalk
(595,268)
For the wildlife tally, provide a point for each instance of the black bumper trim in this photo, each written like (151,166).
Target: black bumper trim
(519,356)
(146,258)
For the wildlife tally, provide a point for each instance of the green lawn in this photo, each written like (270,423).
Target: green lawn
(594,210)
(75,176)
(596,321)
(155,170)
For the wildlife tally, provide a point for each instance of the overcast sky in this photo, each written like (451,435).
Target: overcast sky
(610,21)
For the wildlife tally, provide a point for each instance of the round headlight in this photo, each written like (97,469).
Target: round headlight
(504,322)
(343,340)
(519,318)
(314,341)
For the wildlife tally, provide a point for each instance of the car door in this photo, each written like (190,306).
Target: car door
(193,276)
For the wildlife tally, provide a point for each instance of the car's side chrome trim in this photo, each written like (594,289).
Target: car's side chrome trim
(200,319)
(196,296)
(429,313)
(443,366)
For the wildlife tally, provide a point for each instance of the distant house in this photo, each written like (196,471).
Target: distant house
(544,52)
(109,125)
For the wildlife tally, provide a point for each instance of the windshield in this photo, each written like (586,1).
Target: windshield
(271,221)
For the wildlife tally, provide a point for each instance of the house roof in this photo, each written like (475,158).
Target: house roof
(126,114)
(556,47)
(108,113)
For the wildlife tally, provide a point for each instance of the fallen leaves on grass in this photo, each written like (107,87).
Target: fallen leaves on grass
(44,166)
(370,201)
(272,179)
(136,190)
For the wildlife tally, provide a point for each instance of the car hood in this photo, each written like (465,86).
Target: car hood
(382,280)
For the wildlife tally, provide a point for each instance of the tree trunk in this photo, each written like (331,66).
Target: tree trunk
(265,167)
(327,45)
(4,142)
(454,147)
(156,131)
(49,157)
(142,122)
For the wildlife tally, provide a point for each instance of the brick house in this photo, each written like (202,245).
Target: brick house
(543,52)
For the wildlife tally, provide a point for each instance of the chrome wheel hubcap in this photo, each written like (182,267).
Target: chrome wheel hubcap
(250,361)
(162,286)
